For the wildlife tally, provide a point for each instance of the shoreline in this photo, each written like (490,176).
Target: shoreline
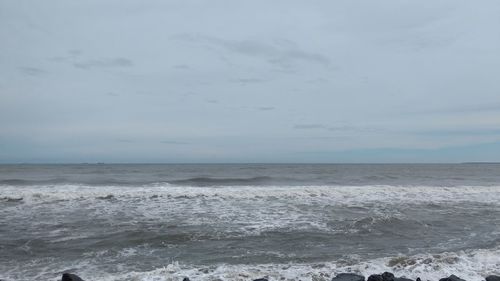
(386,276)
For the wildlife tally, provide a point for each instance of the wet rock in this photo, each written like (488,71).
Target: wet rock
(107,197)
(9,199)
(348,277)
(70,277)
(493,278)
(402,279)
(386,276)
(452,278)
(375,277)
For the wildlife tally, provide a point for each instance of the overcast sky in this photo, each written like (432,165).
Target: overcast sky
(249,81)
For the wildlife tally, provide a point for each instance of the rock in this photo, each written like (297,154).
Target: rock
(418,279)
(493,278)
(348,277)
(402,279)
(9,199)
(70,277)
(260,279)
(386,276)
(107,197)
(185,279)
(452,278)
(375,277)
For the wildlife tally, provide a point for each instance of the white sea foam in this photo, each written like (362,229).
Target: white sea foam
(250,209)
(339,194)
(471,265)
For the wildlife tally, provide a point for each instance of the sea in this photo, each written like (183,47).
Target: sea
(245,221)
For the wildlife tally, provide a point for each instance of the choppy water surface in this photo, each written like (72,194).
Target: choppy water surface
(232,222)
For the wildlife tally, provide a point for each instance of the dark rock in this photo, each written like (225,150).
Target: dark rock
(260,279)
(452,278)
(402,279)
(70,277)
(348,277)
(418,279)
(185,279)
(375,277)
(386,276)
(493,278)
(9,199)
(107,197)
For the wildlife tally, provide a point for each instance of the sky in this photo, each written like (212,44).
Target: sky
(249,81)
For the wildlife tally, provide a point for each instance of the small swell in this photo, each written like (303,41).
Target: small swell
(208,181)
(384,224)
(63,181)
(19,182)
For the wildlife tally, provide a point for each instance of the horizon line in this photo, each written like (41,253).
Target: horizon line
(244,163)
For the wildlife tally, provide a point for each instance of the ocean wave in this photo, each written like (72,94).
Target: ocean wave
(20,182)
(106,181)
(385,224)
(471,265)
(316,213)
(430,195)
(208,181)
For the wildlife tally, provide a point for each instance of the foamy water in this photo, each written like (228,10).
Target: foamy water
(235,226)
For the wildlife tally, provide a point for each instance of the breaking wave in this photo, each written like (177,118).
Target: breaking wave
(340,194)
(471,265)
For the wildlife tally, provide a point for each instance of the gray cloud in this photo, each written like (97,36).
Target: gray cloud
(248,80)
(391,74)
(72,55)
(174,142)
(104,63)
(318,81)
(131,141)
(266,108)
(280,53)
(58,59)
(308,126)
(75,52)
(32,71)
(470,108)
(338,128)
(346,128)
(460,132)
(125,141)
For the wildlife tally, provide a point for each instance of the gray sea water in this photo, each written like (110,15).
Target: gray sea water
(237,222)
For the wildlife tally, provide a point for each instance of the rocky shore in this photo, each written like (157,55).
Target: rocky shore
(386,276)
